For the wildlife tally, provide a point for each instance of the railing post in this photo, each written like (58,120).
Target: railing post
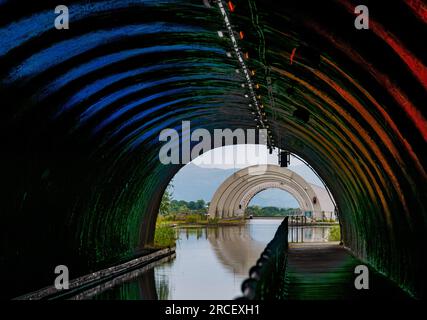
(267,276)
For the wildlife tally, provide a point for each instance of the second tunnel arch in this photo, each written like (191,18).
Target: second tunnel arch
(235,193)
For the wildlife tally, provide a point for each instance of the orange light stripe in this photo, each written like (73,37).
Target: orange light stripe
(366,138)
(350,170)
(294,50)
(412,112)
(386,116)
(413,63)
(231,6)
(347,96)
(419,7)
(373,187)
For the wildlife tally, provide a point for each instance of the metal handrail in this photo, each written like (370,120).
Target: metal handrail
(266,277)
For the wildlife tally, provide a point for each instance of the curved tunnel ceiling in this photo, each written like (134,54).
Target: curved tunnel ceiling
(83,108)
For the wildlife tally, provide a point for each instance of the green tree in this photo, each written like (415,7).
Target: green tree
(268,211)
(335,233)
(191,205)
(166,203)
(200,204)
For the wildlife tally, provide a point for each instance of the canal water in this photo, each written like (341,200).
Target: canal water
(210,263)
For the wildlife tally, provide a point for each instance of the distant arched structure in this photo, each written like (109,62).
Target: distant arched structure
(233,196)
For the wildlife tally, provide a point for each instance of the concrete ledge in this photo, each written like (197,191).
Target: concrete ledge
(109,284)
(95,278)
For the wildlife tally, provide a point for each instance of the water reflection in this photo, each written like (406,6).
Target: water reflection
(235,248)
(210,263)
(308,234)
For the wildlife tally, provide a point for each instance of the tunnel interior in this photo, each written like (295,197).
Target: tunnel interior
(82,109)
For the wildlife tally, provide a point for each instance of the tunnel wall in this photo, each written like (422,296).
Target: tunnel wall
(82,110)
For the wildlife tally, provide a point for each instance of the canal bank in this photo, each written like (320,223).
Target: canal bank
(97,278)
(211,263)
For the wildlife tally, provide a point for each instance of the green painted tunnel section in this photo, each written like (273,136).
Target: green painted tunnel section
(82,110)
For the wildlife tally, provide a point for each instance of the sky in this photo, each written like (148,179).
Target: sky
(201,178)
(240,156)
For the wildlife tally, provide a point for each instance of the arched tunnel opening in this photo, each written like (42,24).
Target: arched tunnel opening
(83,108)
(223,238)
(261,197)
